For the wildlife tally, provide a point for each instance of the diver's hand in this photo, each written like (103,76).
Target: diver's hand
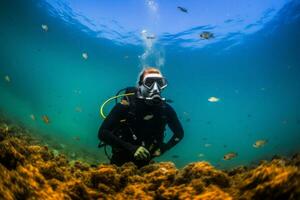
(141,153)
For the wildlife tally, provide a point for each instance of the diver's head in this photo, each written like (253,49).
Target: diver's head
(150,84)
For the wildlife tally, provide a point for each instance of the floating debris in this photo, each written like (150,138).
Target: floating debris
(207,145)
(126,57)
(32,117)
(230,156)
(200,155)
(85,56)
(182,9)
(213,99)
(206,35)
(7,78)
(260,143)
(45,27)
(148,117)
(45,118)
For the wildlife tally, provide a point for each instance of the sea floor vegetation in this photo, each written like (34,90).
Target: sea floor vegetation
(29,170)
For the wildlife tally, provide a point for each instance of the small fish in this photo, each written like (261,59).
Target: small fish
(45,118)
(32,117)
(78,109)
(148,117)
(44,27)
(185,113)
(207,145)
(7,78)
(249,115)
(213,99)
(126,57)
(85,56)
(225,146)
(260,143)
(206,35)
(182,9)
(150,37)
(230,156)
(200,155)
(78,92)
(175,156)
(77,138)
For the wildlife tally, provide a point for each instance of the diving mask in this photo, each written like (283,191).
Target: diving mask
(152,79)
(151,87)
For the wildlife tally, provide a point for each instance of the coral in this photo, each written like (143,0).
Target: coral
(274,180)
(32,171)
(204,171)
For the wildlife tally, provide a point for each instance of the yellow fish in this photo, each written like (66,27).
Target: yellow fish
(260,143)
(230,156)
(45,118)
(213,99)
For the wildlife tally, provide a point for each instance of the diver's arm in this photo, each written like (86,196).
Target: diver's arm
(176,128)
(112,121)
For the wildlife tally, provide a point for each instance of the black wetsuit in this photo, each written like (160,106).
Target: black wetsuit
(128,127)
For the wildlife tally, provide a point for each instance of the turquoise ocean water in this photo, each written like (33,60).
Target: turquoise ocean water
(252,65)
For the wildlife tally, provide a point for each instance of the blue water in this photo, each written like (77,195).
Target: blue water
(252,65)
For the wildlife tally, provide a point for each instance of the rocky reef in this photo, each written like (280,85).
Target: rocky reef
(31,171)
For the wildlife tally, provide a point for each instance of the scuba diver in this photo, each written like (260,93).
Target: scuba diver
(135,127)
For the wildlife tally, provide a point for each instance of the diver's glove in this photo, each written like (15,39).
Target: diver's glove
(141,153)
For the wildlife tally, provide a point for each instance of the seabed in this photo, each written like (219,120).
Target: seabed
(32,171)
